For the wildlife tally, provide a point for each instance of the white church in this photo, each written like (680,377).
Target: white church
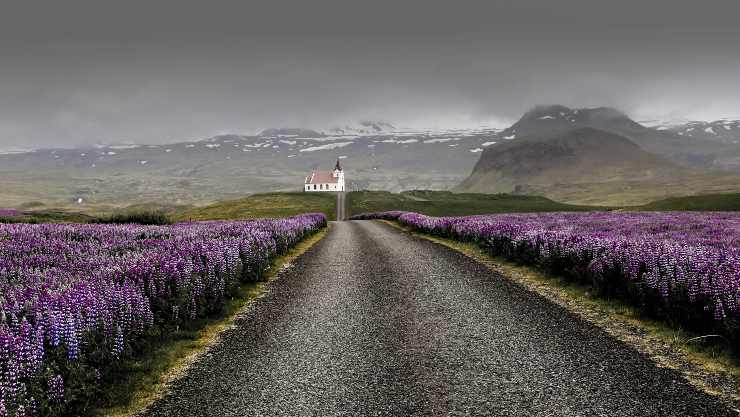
(325,180)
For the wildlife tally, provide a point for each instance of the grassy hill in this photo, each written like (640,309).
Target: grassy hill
(445,203)
(706,202)
(49,216)
(264,205)
(435,203)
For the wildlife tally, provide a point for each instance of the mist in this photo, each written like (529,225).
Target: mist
(79,73)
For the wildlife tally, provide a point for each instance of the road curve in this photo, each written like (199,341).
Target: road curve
(372,321)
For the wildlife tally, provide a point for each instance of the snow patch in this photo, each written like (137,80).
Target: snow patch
(326,147)
(510,137)
(15,151)
(710,130)
(545,118)
(123,146)
(487,143)
(441,140)
(476,150)
(399,141)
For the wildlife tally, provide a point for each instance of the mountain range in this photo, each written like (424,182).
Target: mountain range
(601,156)
(723,130)
(595,155)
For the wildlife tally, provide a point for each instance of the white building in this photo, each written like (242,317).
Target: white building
(325,180)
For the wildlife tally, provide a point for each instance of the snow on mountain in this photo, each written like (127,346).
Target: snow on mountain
(363,128)
(326,147)
(722,130)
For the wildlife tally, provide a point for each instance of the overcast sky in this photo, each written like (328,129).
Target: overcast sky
(83,72)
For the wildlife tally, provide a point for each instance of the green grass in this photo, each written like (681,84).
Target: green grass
(264,205)
(445,203)
(706,202)
(150,217)
(433,203)
(49,216)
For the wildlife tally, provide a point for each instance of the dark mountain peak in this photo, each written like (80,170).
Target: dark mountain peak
(577,140)
(583,155)
(546,111)
(583,115)
(547,121)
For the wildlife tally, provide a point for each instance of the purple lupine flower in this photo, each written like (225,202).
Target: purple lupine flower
(56,389)
(60,283)
(697,254)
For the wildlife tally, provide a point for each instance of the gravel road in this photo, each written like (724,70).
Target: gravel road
(375,322)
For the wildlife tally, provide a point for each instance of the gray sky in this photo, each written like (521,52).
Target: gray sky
(81,72)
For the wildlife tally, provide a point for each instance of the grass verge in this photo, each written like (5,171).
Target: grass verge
(446,203)
(710,367)
(141,381)
(268,205)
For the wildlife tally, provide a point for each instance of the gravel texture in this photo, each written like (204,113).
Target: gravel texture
(372,321)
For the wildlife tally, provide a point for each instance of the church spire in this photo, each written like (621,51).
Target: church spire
(338,167)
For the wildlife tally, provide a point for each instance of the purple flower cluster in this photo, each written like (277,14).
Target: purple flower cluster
(688,258)
(10,213)
(70,293)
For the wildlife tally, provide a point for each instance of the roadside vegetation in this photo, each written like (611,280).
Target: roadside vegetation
(431,203)
(268,205)
(669,276)
(705,202)
(146,217)
(446,203)
(47,216)
(118,290)
(138,382)
(675,266)
(707,362)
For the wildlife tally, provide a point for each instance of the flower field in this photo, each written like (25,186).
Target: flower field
(10,213)
(75,299)
(682,267)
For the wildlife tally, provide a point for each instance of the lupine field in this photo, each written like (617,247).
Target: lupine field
(682,267)
(10,213)
(75,299)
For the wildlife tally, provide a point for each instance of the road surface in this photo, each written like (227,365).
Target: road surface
(375,322)
(341,197)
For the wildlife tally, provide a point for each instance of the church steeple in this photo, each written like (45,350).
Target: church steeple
(338,167)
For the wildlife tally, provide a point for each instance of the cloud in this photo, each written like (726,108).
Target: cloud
(82,73)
